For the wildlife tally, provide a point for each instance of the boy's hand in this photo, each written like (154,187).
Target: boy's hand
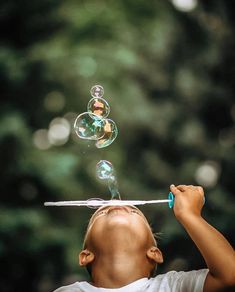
(189,200)
(218,254)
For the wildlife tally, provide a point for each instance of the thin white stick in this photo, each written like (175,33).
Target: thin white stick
(99,203)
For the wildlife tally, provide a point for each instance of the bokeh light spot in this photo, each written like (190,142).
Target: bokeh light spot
(59,131)
(185,5)
(207,174)
(40,139)
(54,101)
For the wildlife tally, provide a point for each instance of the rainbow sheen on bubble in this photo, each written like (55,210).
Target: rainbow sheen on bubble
(110,134)
(105,171)
(97,91)
(89,126)
(99,107)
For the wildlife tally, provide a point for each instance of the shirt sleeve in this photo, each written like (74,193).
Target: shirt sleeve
(70,288)
(192,281)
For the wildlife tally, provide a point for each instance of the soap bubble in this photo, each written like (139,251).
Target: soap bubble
(89,126)
(97,91)
(104,169)
(99,107)
(110,133)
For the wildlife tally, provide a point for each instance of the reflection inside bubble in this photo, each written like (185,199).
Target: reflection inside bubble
(105,171)
(99,107)
(89,126)
(97,91)
(110,134)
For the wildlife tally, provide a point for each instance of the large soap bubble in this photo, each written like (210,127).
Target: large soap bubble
(89,126)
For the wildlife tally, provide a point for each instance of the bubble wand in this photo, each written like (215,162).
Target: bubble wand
(97,203)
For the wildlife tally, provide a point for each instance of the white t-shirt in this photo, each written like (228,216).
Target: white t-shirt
(192,281)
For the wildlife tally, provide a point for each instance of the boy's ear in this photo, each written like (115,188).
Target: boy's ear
(86,257)
(154,254)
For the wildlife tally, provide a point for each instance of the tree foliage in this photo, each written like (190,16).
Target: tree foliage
(168,76)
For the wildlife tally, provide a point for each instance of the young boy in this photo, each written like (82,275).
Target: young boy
(121,253)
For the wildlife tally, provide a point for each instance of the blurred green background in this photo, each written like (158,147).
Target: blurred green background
(168,70)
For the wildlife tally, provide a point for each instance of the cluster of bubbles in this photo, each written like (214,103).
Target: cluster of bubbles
(94,124)
(105,171)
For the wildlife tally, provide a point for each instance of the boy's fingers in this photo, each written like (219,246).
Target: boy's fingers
(182,188)
(174,189)
(200,190)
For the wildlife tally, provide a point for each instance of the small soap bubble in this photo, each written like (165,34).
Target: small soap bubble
(99,107)
(97,91)
(104,169)
(110,132)
(89,126)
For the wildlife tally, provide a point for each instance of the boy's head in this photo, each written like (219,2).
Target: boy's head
(120,232)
